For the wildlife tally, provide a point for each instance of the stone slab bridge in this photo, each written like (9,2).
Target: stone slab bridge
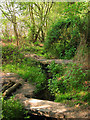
(54,110)
(46,108)
(48,61)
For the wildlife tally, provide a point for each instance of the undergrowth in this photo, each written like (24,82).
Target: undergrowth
(13,110)
(62,42)
(69,83)
(11,54)
(33,48)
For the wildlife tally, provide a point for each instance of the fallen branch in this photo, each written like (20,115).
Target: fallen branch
(6,86)
(12,89)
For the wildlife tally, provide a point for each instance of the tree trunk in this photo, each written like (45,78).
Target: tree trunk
(15,24)
(32,20)
(88,29)
(37,34)
(81,56)
(16,33)
(43,12)
(42,35)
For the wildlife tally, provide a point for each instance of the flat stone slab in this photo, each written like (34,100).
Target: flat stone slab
(45,108)
(48,61)
(57,61)
(51,109)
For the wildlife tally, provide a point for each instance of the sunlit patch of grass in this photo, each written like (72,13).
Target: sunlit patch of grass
(36,49)
(29,72)
(72,99)
(9,68)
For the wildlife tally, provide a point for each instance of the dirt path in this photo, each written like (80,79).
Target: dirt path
(26,90)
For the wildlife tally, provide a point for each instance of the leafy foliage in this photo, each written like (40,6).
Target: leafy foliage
(56,71)
(73,79)
(55,68)
(12,110)
(61,41)
(11,53)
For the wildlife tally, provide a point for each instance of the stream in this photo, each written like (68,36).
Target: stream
(45,93)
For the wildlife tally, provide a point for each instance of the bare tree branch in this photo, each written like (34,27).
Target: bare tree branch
(6,15)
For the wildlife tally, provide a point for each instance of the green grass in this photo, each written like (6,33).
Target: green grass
(27,68)
(73,98)
(36,49)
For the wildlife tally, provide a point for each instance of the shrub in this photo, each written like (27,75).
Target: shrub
(12,110)
(86,98)
(11,53)
(62,39)
(56,71)
(72,80)
(56,68)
